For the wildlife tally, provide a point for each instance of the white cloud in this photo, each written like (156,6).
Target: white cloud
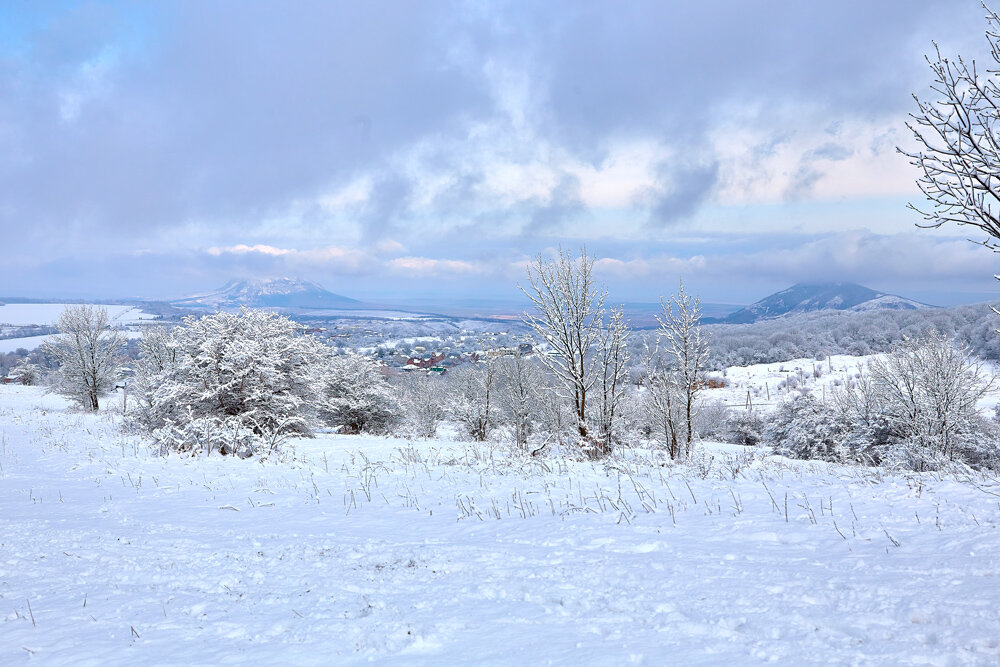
(242,249)
(425,266)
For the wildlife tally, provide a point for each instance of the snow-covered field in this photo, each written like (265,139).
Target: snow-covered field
(22,314)
(769,384)
(34,342)
(46,314)
(359,549)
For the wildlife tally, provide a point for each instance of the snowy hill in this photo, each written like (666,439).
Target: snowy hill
(273,293)
(367,549)
(804,297)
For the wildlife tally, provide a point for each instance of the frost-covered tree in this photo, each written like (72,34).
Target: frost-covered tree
(804,428)
(920,398)
(472,397)
(688,351)
(26,373)
(157,352)
(518,387)
(662,401)
(612,371)
(958,144)
(424,404)
(237,383)
(568,318)
(356,397)
(88,352)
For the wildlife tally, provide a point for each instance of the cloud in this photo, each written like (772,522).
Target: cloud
(680,191)
(241,249)
(331,259)
(446,131)
(425,266)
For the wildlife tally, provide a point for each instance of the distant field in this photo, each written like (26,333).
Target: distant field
(24,314)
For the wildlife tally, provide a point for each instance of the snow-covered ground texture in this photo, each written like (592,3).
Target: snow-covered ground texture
(46,314)
(349,550)
(21,314)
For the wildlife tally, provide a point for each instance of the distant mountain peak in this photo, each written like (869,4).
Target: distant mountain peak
(283,293)
(808,297)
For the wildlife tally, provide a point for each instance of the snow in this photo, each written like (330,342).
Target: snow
(889,301)
(34,342)
(356,549)
(763,381)
(23,314)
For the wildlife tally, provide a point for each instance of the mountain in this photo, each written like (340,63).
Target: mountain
(805,297)
(284,293)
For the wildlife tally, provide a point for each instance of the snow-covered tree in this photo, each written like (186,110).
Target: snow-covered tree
(958,147)
(662,401)
(472,397)
(157,353)
(26,373)
(687,353)
(613,357)
(423,399)
(569,309)
(356,397)
(745,427)
(88,351)
(237,383)
(921,397)
(518,388)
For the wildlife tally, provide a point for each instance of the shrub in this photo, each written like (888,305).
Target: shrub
(236,383)
(746,427)
(804,428)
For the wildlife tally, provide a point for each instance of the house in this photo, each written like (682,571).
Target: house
(425,362)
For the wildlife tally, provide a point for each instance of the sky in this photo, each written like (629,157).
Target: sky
(394,150)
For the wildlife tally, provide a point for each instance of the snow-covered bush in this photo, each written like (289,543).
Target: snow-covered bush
(804,428)
(745,427)
(916,407)
(518,387)
(237,383)
(157,352)
(423,399)
(712,420)
(356,397)
(472,398)
(26,373)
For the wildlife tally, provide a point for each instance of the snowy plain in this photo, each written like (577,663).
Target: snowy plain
(46,314)
(355,549)
(22,314)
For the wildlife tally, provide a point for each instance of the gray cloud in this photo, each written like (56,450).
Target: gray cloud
(563,206)
(186,124)
(386,206)
(681,191)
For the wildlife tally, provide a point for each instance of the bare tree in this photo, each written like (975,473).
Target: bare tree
(688,347)
(958,151)
(472,397)
(613,380)
(423,401)
(26,373)
(925,395)
(662,399)
(569,310)
(88,351)
(518,388)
